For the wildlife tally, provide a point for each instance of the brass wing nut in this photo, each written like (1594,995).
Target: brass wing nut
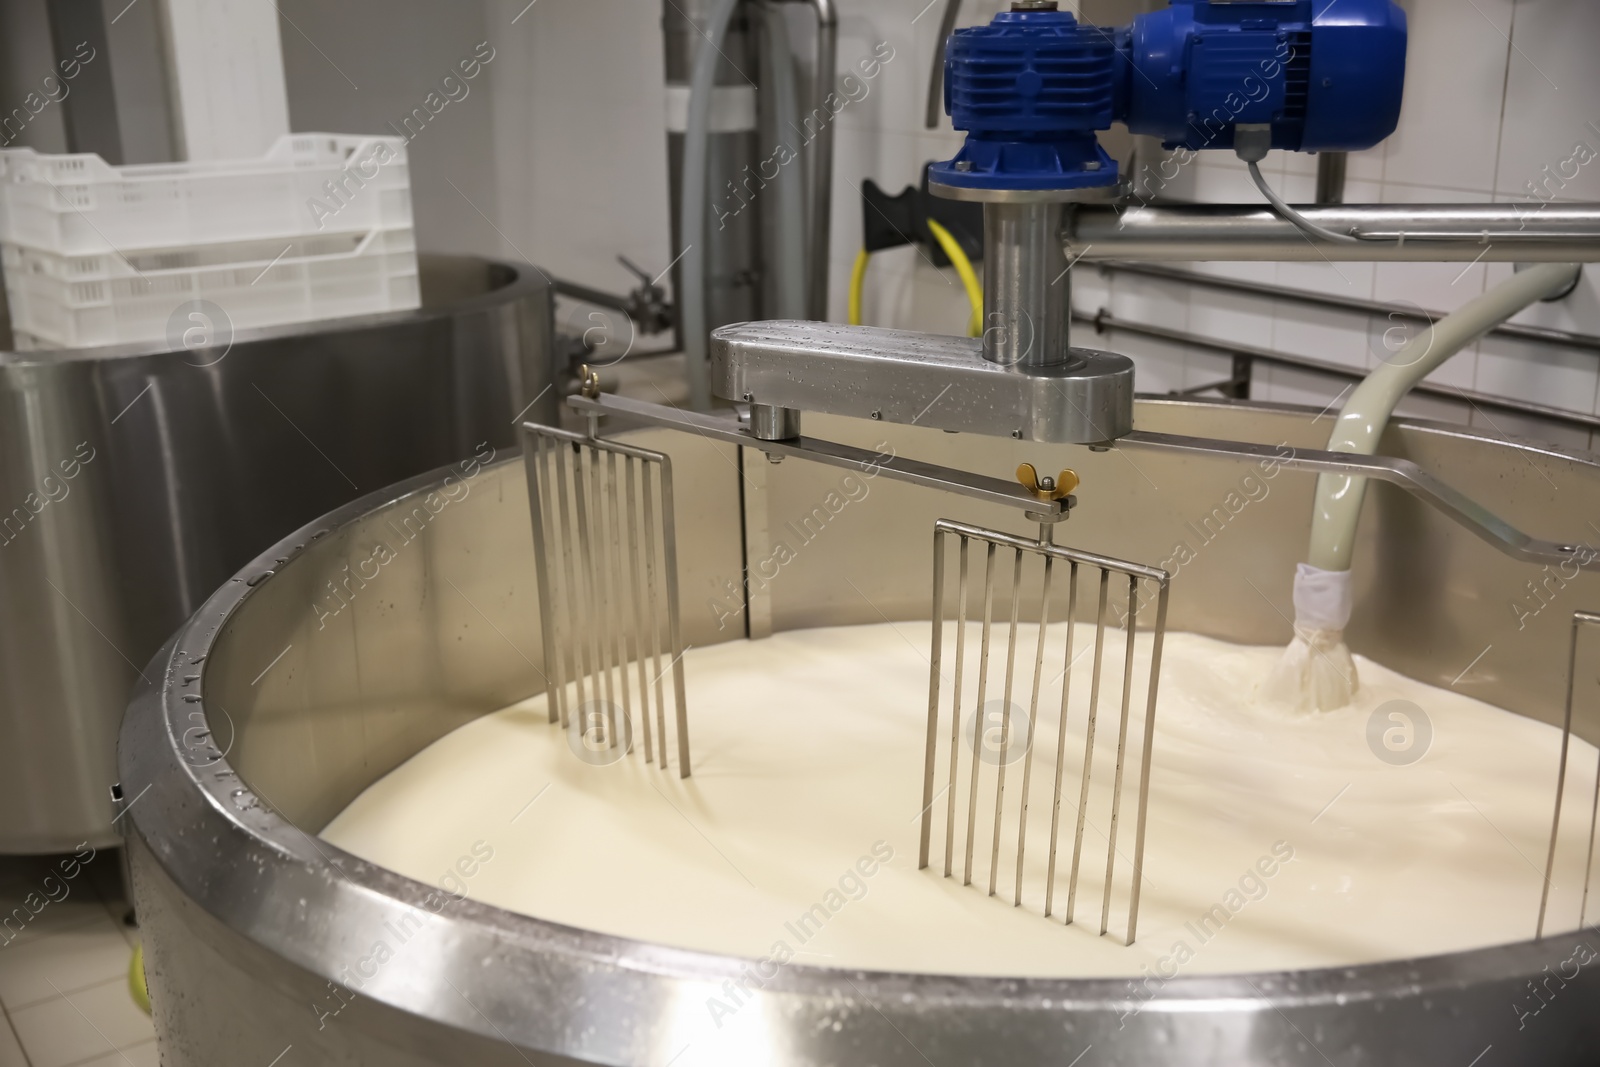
(1047,488)
(1058,488)
(590,382)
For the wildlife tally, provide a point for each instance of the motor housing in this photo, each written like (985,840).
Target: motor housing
(1035,86)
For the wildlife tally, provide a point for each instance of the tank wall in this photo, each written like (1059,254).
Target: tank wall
(390,632)
(218,997)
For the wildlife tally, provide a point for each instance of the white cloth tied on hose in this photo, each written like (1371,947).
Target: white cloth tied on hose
(1316,672)
(1322,599)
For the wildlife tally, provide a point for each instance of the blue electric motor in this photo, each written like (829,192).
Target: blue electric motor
(1032,88)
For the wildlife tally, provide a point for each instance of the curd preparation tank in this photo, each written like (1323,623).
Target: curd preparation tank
(316,671)
(135,478)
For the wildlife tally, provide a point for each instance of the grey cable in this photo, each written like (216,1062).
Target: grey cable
(1303,224)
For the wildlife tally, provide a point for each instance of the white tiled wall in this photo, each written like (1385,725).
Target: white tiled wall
(1496,91)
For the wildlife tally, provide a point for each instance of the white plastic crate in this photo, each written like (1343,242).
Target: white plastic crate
(26,342)
(307,183)
(115,298)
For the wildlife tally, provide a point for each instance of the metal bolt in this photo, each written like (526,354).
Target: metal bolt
(749,397)
(1034,5)
(877,414)
(963,164)
(1093,164)
(1017,434)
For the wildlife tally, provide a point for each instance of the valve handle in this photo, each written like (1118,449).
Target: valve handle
(636,270)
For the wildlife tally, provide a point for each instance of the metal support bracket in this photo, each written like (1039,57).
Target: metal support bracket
(1401,472)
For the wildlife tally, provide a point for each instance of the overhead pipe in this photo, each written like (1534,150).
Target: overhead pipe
(1388,233)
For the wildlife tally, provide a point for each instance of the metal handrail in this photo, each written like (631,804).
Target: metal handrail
(1103,321)
(1542,335)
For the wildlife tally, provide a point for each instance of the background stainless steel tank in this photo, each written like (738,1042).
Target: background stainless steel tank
(733,261)
(134,480)
(270,711)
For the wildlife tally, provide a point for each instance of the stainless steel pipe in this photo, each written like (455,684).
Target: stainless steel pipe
(1027,306)
(732,262)
(822,157)
(1397,233)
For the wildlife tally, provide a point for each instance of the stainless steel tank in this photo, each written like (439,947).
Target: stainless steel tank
(134,480)
(295,686)
(733,267)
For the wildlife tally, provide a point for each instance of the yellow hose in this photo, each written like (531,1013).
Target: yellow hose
(858,278)
(969,277)
(136,983)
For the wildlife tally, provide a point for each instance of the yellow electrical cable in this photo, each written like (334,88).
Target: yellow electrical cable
(858,278)
(969,277)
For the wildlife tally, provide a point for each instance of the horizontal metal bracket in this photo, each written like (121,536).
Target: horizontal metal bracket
(922,379)
(727,429)
(1401,472)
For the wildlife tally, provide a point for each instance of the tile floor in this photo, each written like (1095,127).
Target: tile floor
(64,998)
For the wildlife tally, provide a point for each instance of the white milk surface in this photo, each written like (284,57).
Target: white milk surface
(1273,841)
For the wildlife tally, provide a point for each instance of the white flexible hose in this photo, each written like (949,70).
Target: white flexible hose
(1366,413)
(695,196)
(1317,672)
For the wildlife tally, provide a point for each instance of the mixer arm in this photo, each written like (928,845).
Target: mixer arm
(730,429)
(1401,472)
